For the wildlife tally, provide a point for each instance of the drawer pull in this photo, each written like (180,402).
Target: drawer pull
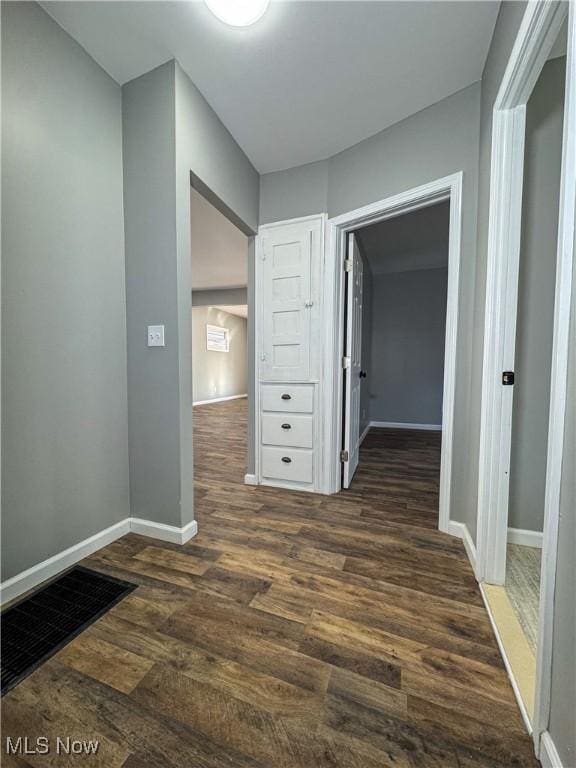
(286,460)
(286,397)
(286,426)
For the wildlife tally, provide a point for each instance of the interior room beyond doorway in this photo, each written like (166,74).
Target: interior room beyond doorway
(398,365)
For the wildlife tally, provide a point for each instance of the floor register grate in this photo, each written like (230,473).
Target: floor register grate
(36,628)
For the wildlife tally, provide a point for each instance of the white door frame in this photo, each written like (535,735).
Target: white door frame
(448,188)
(536,36)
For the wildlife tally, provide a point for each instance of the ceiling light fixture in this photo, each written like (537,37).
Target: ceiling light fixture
(238,13)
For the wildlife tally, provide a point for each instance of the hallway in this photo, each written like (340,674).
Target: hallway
(294,630)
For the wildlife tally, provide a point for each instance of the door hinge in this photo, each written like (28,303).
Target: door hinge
(507,378)
(347,265)
(346,362)
(343,456)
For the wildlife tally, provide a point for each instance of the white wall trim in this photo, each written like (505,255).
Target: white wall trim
(405,425)
(549,756)
(525,537)
(162,531)
(460,530)
(499,339)
(365,431)
(517,694)
(536,36)
(448,188)
(218,400)
(47,569)
(250,480)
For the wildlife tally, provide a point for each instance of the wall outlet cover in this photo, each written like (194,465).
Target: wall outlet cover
(156,336)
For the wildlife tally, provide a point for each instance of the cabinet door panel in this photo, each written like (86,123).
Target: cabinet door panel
(286,302)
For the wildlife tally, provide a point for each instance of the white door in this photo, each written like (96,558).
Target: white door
(286,303)
(353,359)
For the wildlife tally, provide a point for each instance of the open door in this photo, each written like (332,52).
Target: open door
(352,361)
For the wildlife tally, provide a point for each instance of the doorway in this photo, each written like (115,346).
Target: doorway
(395,298)
(534,334)
(220,343)
(445,191)
(524,365)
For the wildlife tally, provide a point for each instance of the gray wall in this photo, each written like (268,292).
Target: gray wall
(218,374)
(433,143)
(156,407)
(170,133)
(535,325)
(207,150)
(65,445)
(205,147)
(215,296)
(299,191)
(408,331)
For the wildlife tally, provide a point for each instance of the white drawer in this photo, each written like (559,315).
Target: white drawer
(287,464)
(287,429)
(290,398)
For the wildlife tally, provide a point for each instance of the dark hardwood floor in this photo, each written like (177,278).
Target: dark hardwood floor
(296,630)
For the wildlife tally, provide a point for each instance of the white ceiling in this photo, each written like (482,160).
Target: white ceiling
(219,249)
(309,79)
(417,240)
(240,310)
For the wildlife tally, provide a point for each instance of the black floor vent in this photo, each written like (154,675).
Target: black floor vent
(43,623)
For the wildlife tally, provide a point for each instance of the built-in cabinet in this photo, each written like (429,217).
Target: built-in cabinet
(289,259)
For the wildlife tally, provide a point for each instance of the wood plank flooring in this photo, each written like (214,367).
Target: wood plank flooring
(295,631)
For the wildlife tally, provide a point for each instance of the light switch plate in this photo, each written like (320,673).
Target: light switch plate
(156,336)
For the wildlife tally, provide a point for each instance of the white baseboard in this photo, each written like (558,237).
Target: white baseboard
(517,694)
(525,538)
(47,569)
(460,530)
(35,575)
(549,756)
(366,430)
(164,532)
(404,425)
(250,480)
(218,399)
